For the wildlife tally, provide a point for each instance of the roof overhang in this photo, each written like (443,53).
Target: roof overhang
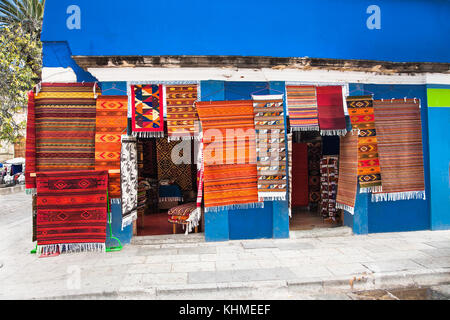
(242,68)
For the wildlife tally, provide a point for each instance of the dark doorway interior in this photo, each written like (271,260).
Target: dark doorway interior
(163,185)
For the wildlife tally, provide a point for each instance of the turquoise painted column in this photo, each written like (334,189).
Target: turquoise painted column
(360,223)
(281,208)
(361,216)
(438,120)
(216,223)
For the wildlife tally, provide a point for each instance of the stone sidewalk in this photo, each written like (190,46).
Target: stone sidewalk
(320,264)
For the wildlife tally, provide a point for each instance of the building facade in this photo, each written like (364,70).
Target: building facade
(388,49)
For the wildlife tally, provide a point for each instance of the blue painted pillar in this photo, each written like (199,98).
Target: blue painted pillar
(124,235)
(281,208)
(361,216)
(216,223)
(360,223)
(439,119)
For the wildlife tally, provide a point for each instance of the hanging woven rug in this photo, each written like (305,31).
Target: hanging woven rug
(399,132)
(271,147)
(65,126)
(147,111)
(348,173)
(302,106)
(30,149)
(362,118)
(331,111)
(181,112)
(230,175)
(129,180)
(71,211)
(111,123)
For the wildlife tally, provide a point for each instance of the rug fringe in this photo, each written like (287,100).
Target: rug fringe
(181,138)
(310,128)
(371,189)
(396,196)
(170,199)
(71,248)
(253,205)
(129,220)
(272,196)
(345,207)
(338,132)
(267,97)
(193,220)
(148,134)
(116,201)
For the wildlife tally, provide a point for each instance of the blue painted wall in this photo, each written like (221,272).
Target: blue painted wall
(114,88)
(439,120)
(393,216)
(412,30)
(58,55)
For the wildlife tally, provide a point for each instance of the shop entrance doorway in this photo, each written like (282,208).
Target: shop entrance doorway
(315,165)
(167,191)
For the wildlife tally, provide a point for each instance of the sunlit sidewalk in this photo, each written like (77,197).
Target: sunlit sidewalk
(318,263)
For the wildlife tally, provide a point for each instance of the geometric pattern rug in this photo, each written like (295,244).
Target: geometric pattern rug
(147,111)
(362,118)
(71,211)
(271,147)
(181,174)
(110,124)
(181,112)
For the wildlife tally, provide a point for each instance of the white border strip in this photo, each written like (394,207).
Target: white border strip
(142,75)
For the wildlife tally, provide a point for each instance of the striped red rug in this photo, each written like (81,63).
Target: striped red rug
(71,211)
(65,127)
(300,178)
(399,132)
(348,173)
(30,150)
(302,106)
(331,111)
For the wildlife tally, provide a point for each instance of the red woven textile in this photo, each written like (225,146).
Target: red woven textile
(331,110)
(181,213)
(30,151)
(300,190)
(71,211)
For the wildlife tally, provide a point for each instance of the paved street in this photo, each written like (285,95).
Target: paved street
(323,264)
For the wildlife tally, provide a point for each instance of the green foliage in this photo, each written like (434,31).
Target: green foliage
(28,13)
(20,64)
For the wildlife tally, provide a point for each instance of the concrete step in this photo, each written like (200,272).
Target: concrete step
(321,233)
(200,237)
(168,239)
